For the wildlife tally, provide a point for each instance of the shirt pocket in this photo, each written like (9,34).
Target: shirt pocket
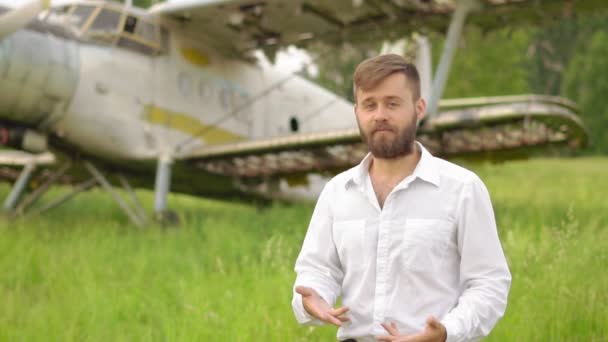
(350,243)
(424,244)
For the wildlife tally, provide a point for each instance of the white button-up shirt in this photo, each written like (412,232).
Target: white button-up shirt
(433,249)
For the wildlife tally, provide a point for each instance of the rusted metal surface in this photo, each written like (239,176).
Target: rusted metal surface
(493,125)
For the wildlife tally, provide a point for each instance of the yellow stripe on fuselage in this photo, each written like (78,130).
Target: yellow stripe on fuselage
(189,125)
(195,57)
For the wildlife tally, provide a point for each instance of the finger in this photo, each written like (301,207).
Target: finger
(386,338)
(339,311)
(343,318)
(419,337)
(304,291)
(433,323)
(332,320)
(391,329)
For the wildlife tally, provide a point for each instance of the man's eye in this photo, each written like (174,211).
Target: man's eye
(369,106)
(393,104)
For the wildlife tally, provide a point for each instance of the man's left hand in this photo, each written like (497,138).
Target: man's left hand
(433,332)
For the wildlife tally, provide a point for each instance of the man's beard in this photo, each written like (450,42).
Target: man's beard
(384,147)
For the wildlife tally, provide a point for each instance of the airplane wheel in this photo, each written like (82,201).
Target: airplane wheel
(168,219)
(261,205)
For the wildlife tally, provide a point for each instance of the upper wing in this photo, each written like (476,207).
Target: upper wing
(477,127)
(236,27)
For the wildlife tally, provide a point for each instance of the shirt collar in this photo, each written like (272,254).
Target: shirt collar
(425,169)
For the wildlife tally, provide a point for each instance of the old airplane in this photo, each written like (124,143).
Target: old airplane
(172,95)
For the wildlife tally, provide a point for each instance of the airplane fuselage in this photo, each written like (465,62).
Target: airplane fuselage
(123,104)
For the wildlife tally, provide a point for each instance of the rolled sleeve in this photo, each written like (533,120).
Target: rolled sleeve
(318,265)
(484,273)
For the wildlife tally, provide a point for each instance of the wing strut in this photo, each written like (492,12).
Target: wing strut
(463,8)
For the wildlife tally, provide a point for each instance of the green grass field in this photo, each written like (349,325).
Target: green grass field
(83,273)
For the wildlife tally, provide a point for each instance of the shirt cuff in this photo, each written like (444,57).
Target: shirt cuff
(302,316)
(453,329)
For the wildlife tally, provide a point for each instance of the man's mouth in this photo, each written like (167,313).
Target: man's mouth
(382,129)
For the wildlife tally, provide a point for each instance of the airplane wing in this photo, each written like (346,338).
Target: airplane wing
(236,27)
(482,127)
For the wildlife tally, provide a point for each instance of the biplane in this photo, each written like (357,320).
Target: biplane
(171,98)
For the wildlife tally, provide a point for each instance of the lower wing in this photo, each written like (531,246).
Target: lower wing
(491,127)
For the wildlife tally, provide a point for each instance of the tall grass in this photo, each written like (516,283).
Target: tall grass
(82,272)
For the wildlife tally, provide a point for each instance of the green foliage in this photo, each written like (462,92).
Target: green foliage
(487,64)
(551,49)
(337,65)
(145,3)
(586,82)
(84,273)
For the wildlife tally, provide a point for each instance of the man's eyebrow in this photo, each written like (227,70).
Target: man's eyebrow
(368,99)
(393,97)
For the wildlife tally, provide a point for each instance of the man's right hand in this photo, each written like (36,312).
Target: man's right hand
(318,307)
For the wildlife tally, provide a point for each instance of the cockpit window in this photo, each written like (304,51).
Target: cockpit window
(147,31)
(80,14)
(112,23)
(58,15)
(106,21)
(130,24)
(140,35)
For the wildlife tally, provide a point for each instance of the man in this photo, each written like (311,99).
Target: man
(407,240)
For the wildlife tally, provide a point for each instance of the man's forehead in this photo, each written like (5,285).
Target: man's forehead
(375,97)
(395,85)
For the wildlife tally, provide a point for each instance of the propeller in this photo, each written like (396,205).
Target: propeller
(17,18)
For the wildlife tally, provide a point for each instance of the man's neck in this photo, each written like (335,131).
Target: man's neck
(385,174)
(394,170)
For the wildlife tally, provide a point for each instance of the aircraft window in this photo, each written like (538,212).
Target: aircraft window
(110,24)
(146,31)
(59,11)
(225,98)
(185,84)
(107,21)
(130,24)
(164,37)
(205,91)
(80,15)
(58,15)
(294,124)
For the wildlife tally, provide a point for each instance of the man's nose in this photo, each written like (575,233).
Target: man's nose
(381,113)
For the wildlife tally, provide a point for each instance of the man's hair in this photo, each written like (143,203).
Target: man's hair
(372,71)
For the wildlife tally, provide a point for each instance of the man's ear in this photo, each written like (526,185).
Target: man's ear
(420,109)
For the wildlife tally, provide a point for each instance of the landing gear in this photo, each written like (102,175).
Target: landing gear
(135,218)
(13,207)
(161,192)
(168,218)
(19,187)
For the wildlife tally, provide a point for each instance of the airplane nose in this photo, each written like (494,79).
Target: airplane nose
(38,77)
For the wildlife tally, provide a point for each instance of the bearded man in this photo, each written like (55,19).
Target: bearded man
(408,241)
